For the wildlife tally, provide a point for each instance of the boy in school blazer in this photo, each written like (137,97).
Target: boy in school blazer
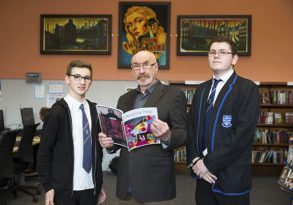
(219,149)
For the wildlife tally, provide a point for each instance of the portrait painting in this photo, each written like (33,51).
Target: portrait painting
(76,34)
(194,33)
(144,26)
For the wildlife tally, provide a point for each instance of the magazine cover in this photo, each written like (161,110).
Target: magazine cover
(290,153)
(137,127)
(111,123)
(131,129)
(286,179)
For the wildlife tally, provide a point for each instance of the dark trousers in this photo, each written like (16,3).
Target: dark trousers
(204,196)
(85,197)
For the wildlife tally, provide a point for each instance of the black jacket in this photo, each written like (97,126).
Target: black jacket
(230,135)
(55,155)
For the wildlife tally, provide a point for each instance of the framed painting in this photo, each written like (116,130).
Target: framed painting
(76,34)
(144,26)
(194,33)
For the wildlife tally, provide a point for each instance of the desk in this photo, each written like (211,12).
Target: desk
(36,140)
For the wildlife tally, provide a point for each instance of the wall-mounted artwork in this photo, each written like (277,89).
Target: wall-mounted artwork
(76,34)
(144,26)
(194,33)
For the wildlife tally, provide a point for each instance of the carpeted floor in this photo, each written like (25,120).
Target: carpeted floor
(265,191)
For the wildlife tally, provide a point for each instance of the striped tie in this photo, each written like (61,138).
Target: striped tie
(208,112)
(87,147)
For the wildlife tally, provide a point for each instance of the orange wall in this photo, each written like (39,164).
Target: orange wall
(272,32)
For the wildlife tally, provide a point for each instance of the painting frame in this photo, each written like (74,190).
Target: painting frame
(194,33)
(158,41)
(76,34)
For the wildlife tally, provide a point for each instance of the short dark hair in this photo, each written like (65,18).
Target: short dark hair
(44,112)
(78,64)
(225,39)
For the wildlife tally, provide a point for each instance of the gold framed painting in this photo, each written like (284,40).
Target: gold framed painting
(76,34)
(194,33)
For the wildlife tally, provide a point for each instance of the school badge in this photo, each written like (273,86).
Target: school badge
(227,121)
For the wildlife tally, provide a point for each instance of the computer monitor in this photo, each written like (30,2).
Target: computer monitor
(2,127)
(27,116)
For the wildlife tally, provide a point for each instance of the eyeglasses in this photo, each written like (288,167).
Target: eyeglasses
(136,67)
(220,52)
(78,77)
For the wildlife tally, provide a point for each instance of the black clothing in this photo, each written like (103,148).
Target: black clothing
(56,152)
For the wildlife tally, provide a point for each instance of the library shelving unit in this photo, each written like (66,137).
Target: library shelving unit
(188,87)
(270,146)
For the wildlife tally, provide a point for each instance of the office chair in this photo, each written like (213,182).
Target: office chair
(23,158)
(7,141)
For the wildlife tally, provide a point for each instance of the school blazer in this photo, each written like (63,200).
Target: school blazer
(149,171)
(230,135)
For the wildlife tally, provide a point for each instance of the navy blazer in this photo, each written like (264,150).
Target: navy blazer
(230,135)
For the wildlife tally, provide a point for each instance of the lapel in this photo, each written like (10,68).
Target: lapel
(205,96)
(224,91)
(156,95)
(129,101)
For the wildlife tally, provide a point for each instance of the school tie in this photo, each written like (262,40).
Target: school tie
(87,150)
(208,112)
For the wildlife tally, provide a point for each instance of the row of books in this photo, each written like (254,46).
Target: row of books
(279,97)
(180,155)
(286,178)
(269,156)
(265,136)
(270,118)
(189,95)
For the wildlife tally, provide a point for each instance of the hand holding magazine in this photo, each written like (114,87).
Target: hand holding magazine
(130,129)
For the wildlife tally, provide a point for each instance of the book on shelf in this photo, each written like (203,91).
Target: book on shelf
(265,98)
(278,119)
(289,117)
(130,129)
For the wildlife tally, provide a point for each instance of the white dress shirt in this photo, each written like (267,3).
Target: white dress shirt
(81,179)
(224,78)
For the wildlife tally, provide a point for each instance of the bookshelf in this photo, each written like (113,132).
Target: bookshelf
(270,146)
(188,87)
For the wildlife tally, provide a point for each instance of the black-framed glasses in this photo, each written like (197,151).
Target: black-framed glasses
(136,67)
(78,77)
(220,52)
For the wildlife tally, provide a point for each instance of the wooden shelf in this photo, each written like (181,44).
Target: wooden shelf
(181,168)
(276,106)
(276,125)
(268,170)
(270,145)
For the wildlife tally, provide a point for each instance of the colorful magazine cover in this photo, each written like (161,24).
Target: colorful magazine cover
(137,127)
(131,129)
(286,178)
(111,123)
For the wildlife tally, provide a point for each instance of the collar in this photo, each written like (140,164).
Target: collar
(75,102)
(225,77)
(149,89)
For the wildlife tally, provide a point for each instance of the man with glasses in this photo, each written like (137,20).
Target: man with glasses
(221,126)
(69,157)
(146,175)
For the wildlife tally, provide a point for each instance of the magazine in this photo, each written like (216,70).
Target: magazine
(130,129)
(286,178)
